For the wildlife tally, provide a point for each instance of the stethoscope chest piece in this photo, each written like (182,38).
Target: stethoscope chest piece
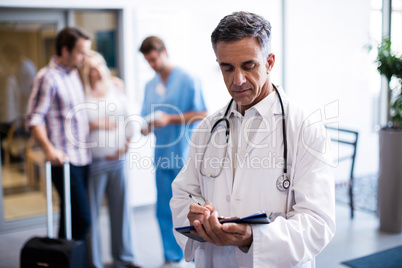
(283,183)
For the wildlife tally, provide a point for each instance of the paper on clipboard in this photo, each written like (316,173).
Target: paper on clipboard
(257,218)
(153,116)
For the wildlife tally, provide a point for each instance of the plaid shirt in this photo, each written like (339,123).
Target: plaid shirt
(55,101)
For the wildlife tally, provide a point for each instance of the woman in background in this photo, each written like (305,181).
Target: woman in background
(107,110)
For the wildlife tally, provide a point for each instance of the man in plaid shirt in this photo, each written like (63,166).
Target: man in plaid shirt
(60,125)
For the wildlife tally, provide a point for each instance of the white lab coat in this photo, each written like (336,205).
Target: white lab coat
(302,226)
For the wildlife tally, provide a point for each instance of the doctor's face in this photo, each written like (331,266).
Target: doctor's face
(157,60)
(245,70)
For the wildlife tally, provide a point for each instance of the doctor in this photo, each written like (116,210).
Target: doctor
(253,167)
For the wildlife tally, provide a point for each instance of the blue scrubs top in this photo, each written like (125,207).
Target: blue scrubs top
(181,94)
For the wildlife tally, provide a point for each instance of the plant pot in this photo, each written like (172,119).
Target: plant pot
(390,180)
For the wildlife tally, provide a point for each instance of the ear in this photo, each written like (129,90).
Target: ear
(270,62)
(64,51)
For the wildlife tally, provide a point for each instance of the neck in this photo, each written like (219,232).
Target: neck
(64,62)
(265,92)
(166,72)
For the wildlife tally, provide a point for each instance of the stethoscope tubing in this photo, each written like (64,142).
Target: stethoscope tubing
(227,133)
(285,142)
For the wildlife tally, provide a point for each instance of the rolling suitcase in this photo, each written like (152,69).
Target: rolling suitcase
(55,252)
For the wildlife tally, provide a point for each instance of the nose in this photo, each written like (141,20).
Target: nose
(239,78)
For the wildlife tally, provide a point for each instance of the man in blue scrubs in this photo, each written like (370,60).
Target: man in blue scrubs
(173,101)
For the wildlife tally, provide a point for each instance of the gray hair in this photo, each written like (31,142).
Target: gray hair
(243,24)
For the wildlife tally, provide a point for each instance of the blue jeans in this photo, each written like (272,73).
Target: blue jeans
(113,184)
(164,179)
(80,218)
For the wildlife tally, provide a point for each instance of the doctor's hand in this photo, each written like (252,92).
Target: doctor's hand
(162,120)
(227,234)
(197,212)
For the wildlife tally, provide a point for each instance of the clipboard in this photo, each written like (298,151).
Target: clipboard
(257,218)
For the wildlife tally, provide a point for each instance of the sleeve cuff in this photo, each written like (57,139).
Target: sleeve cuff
(35,120)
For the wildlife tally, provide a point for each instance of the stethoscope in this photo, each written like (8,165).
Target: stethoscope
(283,182)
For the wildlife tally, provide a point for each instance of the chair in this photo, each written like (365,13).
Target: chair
(15,142)
(35,158)
(348,138)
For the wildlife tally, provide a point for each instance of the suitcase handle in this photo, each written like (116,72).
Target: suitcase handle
(67,200)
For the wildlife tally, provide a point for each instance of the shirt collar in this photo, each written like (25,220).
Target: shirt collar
(266,104)
(262,108)
(58,65)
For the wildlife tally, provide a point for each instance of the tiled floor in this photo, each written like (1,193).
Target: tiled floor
(35,206)
(353,239)
(21,200)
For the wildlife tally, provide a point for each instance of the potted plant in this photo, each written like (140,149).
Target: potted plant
(390,164)
(390,65)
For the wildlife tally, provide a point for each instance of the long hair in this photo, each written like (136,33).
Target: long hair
(86,68)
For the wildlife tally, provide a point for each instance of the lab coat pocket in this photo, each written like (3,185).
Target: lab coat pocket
(212,189)
(280,191)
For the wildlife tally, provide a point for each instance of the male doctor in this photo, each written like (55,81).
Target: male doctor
(245,174)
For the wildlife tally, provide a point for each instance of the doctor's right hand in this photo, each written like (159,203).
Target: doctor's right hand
(197,212)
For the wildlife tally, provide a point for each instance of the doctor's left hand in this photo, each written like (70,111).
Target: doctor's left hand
(227,234)
(162,121)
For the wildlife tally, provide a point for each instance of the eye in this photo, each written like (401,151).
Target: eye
(249,66)
(226,68)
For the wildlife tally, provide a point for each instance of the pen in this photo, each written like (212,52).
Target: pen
(195,200)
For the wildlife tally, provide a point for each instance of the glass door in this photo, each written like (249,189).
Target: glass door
(26,45)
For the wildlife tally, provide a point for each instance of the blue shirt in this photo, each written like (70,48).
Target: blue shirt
(181,94)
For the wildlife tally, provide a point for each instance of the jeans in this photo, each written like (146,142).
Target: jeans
(80,218)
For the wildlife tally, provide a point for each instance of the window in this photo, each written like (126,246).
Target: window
(27,44)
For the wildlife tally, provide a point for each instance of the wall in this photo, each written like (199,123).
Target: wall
(328,68)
